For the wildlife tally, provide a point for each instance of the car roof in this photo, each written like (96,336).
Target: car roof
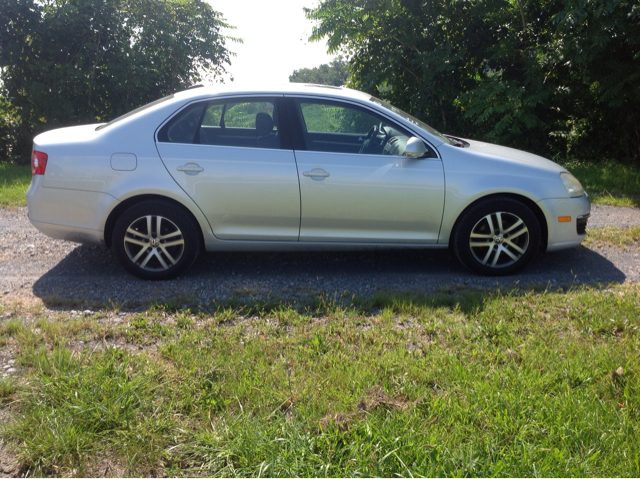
(274,89)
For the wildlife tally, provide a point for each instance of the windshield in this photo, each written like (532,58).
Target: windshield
(133,112)
(412,119)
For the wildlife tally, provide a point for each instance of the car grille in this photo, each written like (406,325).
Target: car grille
(581,224)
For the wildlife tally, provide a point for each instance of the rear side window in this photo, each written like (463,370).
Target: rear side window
(183,127)
(247,123)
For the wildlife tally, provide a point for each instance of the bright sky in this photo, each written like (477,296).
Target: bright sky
(275,35)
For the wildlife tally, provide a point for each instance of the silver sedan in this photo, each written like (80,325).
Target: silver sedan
(302,167)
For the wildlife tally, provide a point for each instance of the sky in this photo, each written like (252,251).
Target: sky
(275,35)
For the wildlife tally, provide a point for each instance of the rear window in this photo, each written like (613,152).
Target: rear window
(133,112)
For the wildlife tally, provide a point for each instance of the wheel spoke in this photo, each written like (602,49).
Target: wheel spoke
(146,260)
(479,235)
(172,243)
(499,218)
(515,246)
(510,254)
(140,253)
(488,255)
(168,255)
(150,226)
(169,235)
(162,262)
(136,242)
(490,222)
(158,226)
(478,244)
(499,250)
(522,231)
(137,233)
(514,226)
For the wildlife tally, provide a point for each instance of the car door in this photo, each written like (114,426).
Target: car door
(229,156)
(354,184)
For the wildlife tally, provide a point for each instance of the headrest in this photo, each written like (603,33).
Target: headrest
(264,123)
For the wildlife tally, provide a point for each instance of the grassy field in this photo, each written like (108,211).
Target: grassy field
(614,236)
(14,181)
(462,383)
(607,183)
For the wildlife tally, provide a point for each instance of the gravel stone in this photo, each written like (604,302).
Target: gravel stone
(36,268)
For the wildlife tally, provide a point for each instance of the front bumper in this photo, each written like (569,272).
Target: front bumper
(563,235)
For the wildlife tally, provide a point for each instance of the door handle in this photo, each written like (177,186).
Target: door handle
(191,168)
(316,173)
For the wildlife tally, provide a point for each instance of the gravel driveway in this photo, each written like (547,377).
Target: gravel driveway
(34,266)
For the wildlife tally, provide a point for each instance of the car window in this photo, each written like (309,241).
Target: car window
(213,115)
(332,126)
(333,118)
(183,127)
(133,112)
(248,123)
(243,114)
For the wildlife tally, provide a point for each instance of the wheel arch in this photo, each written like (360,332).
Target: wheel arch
(535,209)
(129,202)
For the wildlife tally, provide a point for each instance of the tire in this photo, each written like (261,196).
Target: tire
(156,240)
(496,236)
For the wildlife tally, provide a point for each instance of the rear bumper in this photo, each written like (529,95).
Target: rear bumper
(563,235)
(71,215)
(69,233)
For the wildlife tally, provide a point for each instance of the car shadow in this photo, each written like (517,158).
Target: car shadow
(91,275)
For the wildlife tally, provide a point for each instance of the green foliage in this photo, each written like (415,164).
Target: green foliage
(551,76)
(67,62)
(334,74)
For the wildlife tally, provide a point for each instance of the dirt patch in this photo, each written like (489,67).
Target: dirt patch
(9,463)
(373,398)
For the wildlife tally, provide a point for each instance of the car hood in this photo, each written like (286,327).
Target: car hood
(511,155)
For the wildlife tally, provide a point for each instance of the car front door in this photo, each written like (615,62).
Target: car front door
(355,186)
(229,156)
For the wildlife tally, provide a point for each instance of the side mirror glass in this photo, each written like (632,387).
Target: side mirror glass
(415,148)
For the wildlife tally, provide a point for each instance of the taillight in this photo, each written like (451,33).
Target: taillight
(38,162)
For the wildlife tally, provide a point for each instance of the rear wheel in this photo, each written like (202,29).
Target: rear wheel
(156,240)
(497,236)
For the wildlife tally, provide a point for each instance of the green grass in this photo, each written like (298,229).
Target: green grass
(608,183)
(464,382)
(614,236)
(14,181)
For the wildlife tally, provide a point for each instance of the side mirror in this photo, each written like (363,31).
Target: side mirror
(415,148)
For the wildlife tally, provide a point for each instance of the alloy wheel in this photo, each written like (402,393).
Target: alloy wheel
(154,243)
(499,239)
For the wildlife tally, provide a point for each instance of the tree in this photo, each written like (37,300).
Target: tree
(550,76)
(334,73)
(66,62)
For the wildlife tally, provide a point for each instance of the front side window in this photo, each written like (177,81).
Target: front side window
(337,127)
(248,123)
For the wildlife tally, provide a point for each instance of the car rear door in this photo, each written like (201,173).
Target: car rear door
(354,188)
(230,157)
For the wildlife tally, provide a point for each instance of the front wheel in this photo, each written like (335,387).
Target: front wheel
(156,240)
(497,236)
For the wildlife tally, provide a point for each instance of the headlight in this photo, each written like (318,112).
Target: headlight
(573,186)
